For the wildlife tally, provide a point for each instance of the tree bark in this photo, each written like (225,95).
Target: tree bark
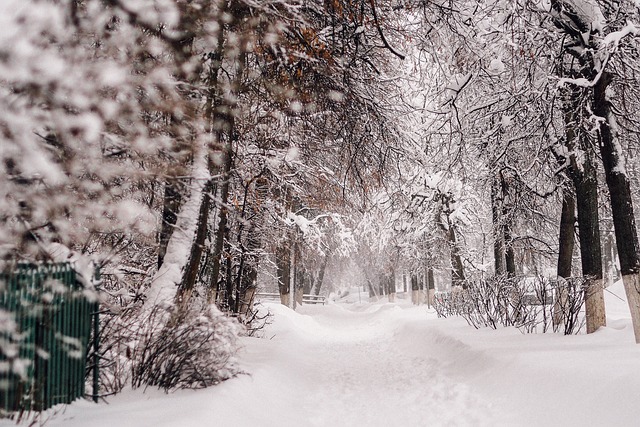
(431,287)
(323,268)
(283,272)
(584,175)
(498,227)
(509,253)
(567,234)
(391,285)
(621,200)
(192,269)
(415,289)
(566,243)
(221,228)
(171,204)
(457,268)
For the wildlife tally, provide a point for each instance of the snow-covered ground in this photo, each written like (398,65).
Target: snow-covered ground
(381,364)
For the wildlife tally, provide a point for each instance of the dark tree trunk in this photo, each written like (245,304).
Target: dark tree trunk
(431,286)
(584,175)
(498,227)
(283,272)
(298,275)
(415,289)
(457,268)
(621,201)
(590,249)
(566,243)
(509,253)
(323,268)
(248,271)
(228,280)
(220,231)
(171,204)
(567,233)
(618,184)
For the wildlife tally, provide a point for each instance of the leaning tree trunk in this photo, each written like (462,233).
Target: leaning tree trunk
(320,280)
(621,201)
(192,268)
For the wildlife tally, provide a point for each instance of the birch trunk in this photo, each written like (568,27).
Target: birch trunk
(165,282)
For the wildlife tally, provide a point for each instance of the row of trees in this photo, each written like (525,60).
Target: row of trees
(187,147)
(524,128)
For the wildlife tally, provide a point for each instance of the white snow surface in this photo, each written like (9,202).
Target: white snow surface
(383,364)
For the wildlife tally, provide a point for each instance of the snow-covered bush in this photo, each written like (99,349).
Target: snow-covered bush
(193,350)
(531,304)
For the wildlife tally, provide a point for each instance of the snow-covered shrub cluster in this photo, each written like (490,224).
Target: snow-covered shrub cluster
(531,304)
(193,350)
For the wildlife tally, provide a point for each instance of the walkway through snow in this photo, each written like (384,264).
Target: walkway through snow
(364,369)
(398,365)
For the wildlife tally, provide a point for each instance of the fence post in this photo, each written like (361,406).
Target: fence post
(96,341)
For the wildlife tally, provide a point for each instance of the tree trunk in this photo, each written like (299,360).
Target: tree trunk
(431,287)
(565,254)
(192,269)
(567,233)
(621,201)
(498,227)
(415,289)
(248,273)
(509,254)
(457,269)
(171,204)
(372,291)
(320,280)
(220,231)
(283,272)
(590,249)
(584,176)
(296,280)
(391,285)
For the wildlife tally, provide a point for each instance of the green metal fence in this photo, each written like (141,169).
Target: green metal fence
(46,318)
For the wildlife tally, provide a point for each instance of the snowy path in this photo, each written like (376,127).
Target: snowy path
(398,365)
(356,369)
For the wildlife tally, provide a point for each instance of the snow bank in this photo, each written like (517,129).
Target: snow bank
(387,364)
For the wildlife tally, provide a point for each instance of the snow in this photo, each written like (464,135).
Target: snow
(383,364)
(496,66)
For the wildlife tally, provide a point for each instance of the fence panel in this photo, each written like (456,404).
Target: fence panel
(43,360)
